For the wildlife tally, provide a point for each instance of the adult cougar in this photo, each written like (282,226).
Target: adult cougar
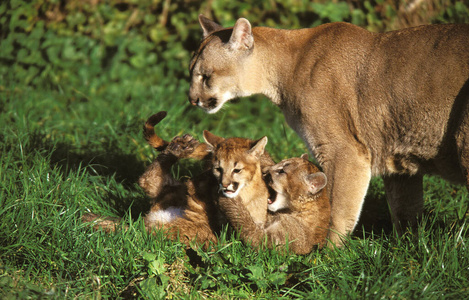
(392,104)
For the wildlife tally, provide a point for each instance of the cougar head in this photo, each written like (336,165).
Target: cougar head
(216,68)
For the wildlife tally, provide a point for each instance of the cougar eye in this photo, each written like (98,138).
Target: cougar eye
(237,171)
(205,79)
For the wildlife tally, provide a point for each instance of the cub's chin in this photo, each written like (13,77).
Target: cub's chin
(277,201)
(230,194)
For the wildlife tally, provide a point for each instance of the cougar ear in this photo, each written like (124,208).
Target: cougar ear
(316,182)
(304,156)
(211,139)
(241,38)
(258,148)
(208,26)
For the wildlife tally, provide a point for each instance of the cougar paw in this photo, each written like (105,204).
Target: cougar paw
(182,146)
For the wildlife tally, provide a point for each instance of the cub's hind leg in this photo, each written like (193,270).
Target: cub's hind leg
(405,198)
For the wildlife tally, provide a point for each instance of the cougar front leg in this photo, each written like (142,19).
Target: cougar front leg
(405,198)
(348,179)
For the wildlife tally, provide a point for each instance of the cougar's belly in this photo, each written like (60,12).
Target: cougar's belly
(444,163)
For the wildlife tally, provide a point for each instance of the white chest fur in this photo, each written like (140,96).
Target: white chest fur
(165,216)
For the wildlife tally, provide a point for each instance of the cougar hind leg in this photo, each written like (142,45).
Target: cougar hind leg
(405,198)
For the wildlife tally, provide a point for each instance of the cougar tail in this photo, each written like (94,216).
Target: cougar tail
(149,131)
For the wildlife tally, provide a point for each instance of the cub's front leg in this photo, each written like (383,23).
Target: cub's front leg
(240,219)
(158,174)
(186,146)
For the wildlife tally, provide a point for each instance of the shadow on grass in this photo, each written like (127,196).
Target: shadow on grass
(104,160)
(375,217)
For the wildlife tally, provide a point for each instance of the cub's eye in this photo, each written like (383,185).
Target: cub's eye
(218,169)
(237,171)
(280,171)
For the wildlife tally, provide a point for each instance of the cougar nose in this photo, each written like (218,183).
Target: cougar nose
(194,101)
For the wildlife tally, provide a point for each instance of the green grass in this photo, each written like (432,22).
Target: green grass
(64,154)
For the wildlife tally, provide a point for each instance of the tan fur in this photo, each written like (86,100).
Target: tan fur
(188,210)
(197,151)
(300,213)
(237,167)
(192,204)
(392,104)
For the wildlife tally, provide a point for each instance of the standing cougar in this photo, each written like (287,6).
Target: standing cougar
(392,104)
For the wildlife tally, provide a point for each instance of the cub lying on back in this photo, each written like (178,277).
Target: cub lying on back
(187,210)
(295,195)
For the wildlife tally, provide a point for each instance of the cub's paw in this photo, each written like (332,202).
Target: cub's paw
(182,146)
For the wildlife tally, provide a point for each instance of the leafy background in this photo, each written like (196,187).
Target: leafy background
(78,79)
(99,47)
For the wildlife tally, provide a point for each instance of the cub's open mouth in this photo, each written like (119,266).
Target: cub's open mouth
(272,195)
(230,191)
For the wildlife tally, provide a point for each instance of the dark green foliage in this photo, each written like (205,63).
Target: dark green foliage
(118,47)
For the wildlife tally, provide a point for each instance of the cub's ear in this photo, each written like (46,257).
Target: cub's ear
(211,139)
(258,148)
(241,38)
(304,156)
(208,26)
(316,182)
